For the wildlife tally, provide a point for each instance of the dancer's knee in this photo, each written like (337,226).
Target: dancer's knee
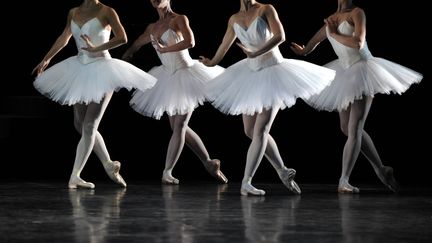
(248,131)
(89,128)
(344,129)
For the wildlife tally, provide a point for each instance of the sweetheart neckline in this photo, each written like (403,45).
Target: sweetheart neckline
(247,28)
(82,26)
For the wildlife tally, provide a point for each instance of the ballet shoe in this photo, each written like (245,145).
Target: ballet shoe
(80,183)
(248,189)
(168,179)
(348,189)
(112,169)
(293,187)
(287,177)
(213,167)
(386,176)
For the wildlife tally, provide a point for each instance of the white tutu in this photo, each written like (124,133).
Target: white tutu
(176,93)
(71,81)
(266,81)
(366,77)
(358,73)
(181,83)
(87,77)
(243,90)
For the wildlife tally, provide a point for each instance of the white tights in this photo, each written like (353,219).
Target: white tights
(182,134)
(86,120)
(257,127)
(352,122)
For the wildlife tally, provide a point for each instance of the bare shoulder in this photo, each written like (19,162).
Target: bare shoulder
(180,19)
(179,22)
(268,9)
(234,18)
(108,11)
(72,11)
(358,12)
(150,26)
(108,14)
(71,15)
(149,29)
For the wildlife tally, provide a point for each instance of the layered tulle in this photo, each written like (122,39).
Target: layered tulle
(177,92)
(359,74)
(245,90)
(71,81)
(366,77)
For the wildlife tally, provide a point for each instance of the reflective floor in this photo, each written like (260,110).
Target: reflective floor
(207,212)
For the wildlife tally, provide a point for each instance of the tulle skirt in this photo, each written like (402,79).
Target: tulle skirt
(176,93)
(366,77)
(243,90)
(71,81)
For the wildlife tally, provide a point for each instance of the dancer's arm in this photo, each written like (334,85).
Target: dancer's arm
(59,44)
(227,41)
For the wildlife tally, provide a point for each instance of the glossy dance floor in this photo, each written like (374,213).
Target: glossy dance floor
(207,212)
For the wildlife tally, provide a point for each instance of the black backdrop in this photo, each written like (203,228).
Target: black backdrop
(42,146)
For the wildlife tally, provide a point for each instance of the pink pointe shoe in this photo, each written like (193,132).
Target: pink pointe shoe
(213,167)
(76,182)
(168,179)
(345,187)
(247,189)
(112,169)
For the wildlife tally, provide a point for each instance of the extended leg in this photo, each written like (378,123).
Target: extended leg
(195,143)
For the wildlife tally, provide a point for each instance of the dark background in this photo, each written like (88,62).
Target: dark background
(38,140)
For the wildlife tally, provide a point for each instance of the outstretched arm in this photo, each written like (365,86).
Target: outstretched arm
(227,41)
(303,50)
(61,42)
(142,40)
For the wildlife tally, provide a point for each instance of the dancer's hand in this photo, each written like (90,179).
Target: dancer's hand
(40,67)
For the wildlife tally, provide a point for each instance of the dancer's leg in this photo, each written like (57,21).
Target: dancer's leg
(262,125)
(195,143)
(272,154)
(178,125)
(354,118)
(90,124)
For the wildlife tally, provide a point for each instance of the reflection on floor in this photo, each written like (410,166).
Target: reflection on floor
(207,212)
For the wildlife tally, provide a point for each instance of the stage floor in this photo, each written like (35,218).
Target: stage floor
(207,212)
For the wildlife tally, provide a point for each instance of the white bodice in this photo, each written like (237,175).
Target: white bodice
(254,37)
(97,34)
(174,60)
(348,55)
